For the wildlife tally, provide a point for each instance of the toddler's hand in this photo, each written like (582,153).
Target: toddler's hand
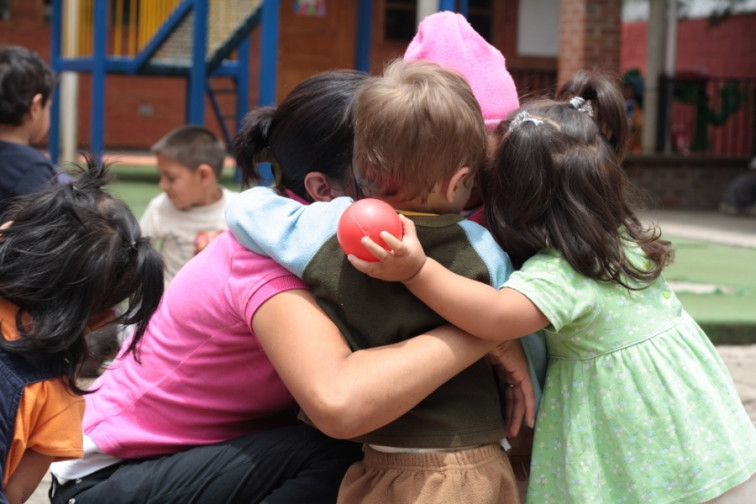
(401,263)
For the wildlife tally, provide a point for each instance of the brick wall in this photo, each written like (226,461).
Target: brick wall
(690,183)
(590,36)
(722,49)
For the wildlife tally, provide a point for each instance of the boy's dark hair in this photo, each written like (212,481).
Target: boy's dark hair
(23,74)
(192,146)
(70,253)
(310,130)
(556,182)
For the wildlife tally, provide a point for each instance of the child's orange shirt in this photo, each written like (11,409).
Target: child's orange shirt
(49,414)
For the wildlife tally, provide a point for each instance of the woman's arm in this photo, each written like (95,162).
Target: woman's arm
(478,308)
(25,479)
(345,393)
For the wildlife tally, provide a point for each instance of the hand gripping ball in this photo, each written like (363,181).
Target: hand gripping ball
(367,217)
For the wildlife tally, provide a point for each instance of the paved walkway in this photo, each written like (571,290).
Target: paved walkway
(706,226)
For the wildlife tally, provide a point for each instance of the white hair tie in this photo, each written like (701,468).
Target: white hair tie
(581,105)
(523,117)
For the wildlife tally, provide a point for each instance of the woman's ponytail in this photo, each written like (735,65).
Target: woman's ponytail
(252,143)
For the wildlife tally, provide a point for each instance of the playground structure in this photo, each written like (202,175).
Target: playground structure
(200,40)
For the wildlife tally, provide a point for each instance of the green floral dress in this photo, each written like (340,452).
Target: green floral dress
(638,406)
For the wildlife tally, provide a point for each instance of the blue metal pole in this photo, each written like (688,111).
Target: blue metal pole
(198,72)
(268,52)
(242,81)
(446,5)
(97,132)
(243,55)
(53,143)
(364,33)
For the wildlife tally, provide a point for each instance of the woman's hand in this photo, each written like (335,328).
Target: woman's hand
(513,374)
(400,264)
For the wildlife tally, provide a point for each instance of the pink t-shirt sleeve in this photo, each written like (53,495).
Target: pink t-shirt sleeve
(255,279)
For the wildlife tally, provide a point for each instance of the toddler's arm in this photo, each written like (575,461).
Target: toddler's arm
(475,307)
(25,479)
(283,228)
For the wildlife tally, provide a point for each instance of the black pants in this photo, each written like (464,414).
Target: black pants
(285,465)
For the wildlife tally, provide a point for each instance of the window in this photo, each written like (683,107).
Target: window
(480,14)
(400,18)
(5,10)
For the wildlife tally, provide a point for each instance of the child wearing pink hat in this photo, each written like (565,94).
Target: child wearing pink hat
(447,39)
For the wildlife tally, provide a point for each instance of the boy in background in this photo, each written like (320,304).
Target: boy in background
(189,212)
(26,86)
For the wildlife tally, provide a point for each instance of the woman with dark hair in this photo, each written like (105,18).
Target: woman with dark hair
(239,344)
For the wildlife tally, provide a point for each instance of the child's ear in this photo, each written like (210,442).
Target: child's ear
(460,178)
(206,173)
(36,106)
(318,187)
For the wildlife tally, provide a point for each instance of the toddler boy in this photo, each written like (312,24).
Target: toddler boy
(189,212)
(26,86)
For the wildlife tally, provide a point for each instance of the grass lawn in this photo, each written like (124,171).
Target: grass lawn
(716,283)
(717,286)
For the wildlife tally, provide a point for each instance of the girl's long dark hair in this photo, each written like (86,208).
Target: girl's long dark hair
(559,184)
(70,253)
(311,130)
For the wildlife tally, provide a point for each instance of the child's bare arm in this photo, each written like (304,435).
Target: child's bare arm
(25,479)
(475,307)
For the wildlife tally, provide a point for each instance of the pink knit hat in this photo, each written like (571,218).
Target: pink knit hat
(447,39)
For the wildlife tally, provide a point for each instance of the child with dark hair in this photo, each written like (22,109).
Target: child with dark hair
(68,256)
(189,213)
(638,406)
(26,86)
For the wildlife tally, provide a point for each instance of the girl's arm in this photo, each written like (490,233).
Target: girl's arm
(345,393)
(478,308)
(25,479)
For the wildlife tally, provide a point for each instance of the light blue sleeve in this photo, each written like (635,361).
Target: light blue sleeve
(282,228)
(500,268)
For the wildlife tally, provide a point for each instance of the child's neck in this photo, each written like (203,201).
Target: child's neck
(430,205)
(212,195)
(14,134)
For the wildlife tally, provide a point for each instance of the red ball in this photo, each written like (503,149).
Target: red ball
(367,217)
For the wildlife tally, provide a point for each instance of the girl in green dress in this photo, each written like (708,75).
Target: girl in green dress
(638,406)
